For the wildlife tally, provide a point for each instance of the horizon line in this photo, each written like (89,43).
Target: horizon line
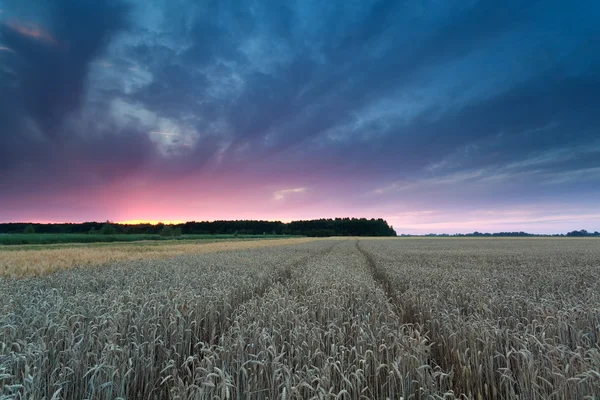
(182,222)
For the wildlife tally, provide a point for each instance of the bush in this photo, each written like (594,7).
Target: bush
(108,229)
(167,231)
(29,229)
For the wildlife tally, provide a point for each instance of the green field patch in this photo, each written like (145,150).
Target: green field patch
(44,239)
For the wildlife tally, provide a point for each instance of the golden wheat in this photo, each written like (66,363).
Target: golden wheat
(37,262)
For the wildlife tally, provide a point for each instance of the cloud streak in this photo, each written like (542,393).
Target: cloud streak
(32,31)
(284,193)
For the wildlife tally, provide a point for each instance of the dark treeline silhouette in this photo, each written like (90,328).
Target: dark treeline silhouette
(583,232)
(580,233)
(318,227)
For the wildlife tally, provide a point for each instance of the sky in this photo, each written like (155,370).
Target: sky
(439,116)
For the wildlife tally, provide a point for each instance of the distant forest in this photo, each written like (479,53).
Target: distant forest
(314,228)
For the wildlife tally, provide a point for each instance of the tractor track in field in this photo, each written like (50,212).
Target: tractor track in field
(380,276)
(408,313)
(213,336)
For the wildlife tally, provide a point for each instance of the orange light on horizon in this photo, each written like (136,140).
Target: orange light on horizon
(150,222)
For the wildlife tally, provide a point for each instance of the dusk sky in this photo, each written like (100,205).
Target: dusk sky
(438,116)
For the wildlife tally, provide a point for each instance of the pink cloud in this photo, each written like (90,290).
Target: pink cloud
(32,30)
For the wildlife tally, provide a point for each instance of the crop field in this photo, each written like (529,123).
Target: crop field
(36,260)
(323,319)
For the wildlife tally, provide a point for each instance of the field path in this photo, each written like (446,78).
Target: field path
(328,331)
(378,274)
(280,276)
(489,332)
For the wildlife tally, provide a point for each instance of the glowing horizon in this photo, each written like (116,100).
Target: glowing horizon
(150,222)
(550,221)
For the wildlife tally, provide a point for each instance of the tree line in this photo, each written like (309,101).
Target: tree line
(314,228)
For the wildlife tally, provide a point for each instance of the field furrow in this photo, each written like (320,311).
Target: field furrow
(328,332)
(505,319)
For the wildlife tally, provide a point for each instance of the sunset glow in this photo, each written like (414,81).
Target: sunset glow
(150,222)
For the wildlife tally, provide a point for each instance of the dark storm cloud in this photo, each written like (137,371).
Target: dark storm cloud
(373,92)
(301,98)
(51,66)
(544,113)
(43,81)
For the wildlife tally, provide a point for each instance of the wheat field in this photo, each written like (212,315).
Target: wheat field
(325,319)
(21,261)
